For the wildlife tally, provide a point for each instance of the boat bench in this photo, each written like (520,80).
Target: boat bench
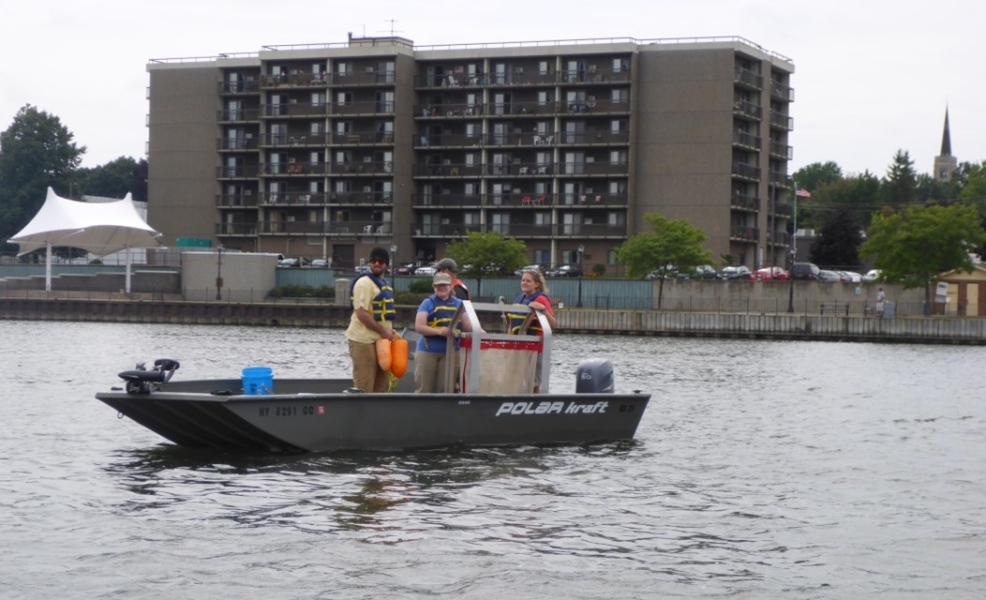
(835,308)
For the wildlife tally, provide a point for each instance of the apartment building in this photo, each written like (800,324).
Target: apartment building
(323,151)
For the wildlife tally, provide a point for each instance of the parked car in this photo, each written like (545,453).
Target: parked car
(826,275)
(361,269)
(405,268)
(770,274)
(851,276)
(700,272)
(565,271)
(804,271)
(292,262)
(427,270)
(872,275)
(320,263)
(738,272)
(521,270)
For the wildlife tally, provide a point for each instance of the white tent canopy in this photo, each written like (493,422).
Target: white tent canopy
(100,228)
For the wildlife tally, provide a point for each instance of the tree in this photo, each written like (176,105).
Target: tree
(838,242)
(812,177)
(900,188)
(114,179)
(859,192)
(490,253)
(36,152)
(673,247)
(913,247)
(973,193)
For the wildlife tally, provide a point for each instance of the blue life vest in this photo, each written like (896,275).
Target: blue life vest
(440,315)
(516,320)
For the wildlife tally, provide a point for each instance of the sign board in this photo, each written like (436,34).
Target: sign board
(941,292)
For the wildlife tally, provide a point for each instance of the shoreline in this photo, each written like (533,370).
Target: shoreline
(781,326)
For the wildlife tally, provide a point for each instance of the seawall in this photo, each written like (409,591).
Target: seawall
(931,330)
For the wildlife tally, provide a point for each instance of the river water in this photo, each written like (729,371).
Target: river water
(761,469)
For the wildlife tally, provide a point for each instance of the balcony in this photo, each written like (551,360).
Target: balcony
(592,74)
(446,230)
(744,234)
(236,229)
(295,79)
(592,137)
(298,227)
(239,115)
(748,79)
(362,167)
(781,92)
(367,198)
(744,202)
(779,238)
(450,80)
(597,106)
(449,140)
(245,200)
(298,109)
(781,209)
(237,143)
(291,199)
(746,109)
(369,76)
(316,140)
(745,171)
(518,169)
(556,230)
(781,121)
(295,168)
(593,200)
(431,111)
(248,85)
(592,230)
(237,172)
(779,180)
(447,200)
(782,151)
(448,170)
(593,168)
(743,139)
(362,138)
(367,108)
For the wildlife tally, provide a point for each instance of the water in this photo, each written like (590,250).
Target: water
(760,470)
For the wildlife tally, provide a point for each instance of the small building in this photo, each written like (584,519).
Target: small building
(966,291)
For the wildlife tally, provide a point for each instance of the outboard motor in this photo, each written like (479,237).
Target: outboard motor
(595,376)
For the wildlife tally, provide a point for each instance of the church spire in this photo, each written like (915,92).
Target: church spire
(945,163)
(946,138)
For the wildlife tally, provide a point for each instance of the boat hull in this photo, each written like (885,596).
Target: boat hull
(307,415)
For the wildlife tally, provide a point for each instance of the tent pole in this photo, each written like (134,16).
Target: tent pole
(128,271)
(47,266)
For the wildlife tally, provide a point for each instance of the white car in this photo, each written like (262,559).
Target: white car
(426,270)
(872,275)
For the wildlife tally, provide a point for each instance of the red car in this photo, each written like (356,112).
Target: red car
(770,274)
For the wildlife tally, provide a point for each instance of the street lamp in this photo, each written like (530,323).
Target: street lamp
(393,261)
(581,250)
(794,251)
(219,272)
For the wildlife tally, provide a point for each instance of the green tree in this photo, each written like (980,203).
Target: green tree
(36,152)
(838,242)
(673,247)
(486,254)
(859,192)
(114,179)
(900,188)
(915,246)
(973,192)
(812,177)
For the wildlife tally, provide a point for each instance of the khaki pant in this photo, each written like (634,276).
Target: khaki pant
(429,372)
(367,374)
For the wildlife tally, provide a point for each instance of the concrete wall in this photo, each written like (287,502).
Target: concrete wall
(246,277)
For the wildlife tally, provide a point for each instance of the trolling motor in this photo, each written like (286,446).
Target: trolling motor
(142,380)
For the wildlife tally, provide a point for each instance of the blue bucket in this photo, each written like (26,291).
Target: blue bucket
(258,381)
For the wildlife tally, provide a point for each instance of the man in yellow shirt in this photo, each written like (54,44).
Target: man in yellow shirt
(373,318)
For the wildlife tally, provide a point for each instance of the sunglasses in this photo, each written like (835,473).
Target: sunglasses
(377,261)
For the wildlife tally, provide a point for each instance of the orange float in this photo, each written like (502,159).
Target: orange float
(384,354)
(398,356)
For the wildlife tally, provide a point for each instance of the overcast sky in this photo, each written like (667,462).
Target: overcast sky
(871,76)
